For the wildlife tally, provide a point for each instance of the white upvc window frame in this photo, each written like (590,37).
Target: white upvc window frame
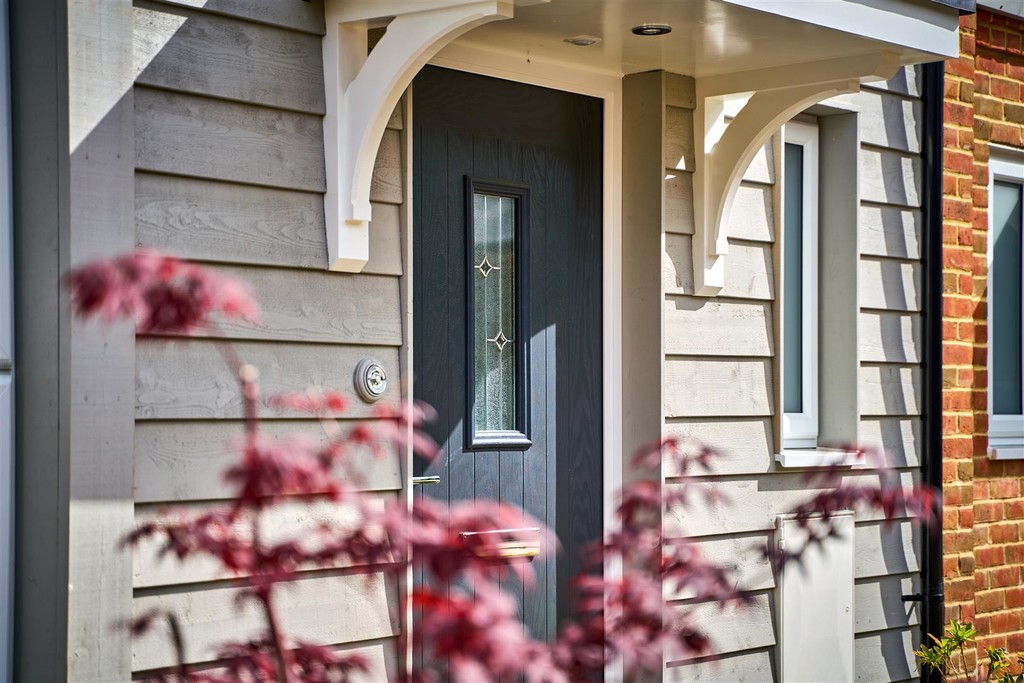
(1005,432)
(800,430)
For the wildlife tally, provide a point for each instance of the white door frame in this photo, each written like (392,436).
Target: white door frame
(604,86)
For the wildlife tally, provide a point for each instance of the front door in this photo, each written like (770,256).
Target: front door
(507,300)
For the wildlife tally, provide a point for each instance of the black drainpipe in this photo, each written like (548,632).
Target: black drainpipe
(932,601)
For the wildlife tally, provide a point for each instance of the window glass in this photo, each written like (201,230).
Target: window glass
(793,284)
(494,304)
(1005,299)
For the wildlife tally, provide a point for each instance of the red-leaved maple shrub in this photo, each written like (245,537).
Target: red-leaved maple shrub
(472,634)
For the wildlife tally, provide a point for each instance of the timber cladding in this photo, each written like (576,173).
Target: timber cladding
(229,172)
(983,515)
(720,380)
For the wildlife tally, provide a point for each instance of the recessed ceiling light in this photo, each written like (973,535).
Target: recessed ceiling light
(583,41)
(652,29)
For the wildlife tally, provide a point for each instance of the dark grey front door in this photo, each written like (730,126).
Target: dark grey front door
(507,300)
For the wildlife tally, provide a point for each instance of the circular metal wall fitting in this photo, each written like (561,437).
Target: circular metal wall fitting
(370,379)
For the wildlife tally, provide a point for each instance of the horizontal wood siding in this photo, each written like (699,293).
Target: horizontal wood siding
(893,337)
(743,445)
(175,380)
(899,437)
(189,135)
(306,17)
(292,519)
(890,177)
(306,306)
(752,216)
(328,609)
(751,502)
(736,627)
(187,51)
(717,387)
(720,374)
(234,223)
(886,119)
(749,273)
(884,549)
(886,655)
(755,666)
(678,143)
(890,231)
(890,390)
(182,460)
(889,282)
(678,203)
(878,602)
(727,328)
(229,104)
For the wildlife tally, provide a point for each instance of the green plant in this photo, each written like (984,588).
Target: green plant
(948,656)
(940,656)
(999,666)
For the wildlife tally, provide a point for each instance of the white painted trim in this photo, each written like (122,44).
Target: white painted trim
(814,457)
(1005,452)
(924,26)
(405,359)
(608,88)
(773,96)
(1005,432)
(362,89)
(800,430)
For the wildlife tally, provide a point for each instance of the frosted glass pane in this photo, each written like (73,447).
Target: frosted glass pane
(793,282)
(494,304)
(1005,299)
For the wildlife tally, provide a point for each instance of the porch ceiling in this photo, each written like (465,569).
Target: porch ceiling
(712,37)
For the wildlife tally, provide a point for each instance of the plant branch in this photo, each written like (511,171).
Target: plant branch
(179,646)
(276,635)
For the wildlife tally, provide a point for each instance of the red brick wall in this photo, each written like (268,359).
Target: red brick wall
(983,532)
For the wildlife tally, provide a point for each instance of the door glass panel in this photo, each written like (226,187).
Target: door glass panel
(1005,299)
(494,306)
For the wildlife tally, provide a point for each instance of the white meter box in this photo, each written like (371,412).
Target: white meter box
(815,605)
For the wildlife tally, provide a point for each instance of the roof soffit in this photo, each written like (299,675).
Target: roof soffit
(776,46)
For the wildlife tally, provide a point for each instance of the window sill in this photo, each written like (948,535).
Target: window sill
(1006,451)
(815,457)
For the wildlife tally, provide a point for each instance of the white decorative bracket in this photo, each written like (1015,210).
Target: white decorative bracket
(726,148)
(363,90)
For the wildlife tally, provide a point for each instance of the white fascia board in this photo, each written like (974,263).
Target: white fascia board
(361,10)
(922,27)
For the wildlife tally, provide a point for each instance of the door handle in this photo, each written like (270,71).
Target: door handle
(422,481)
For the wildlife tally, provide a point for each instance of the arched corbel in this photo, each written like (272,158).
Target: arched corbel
(363,90)
(726,149)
